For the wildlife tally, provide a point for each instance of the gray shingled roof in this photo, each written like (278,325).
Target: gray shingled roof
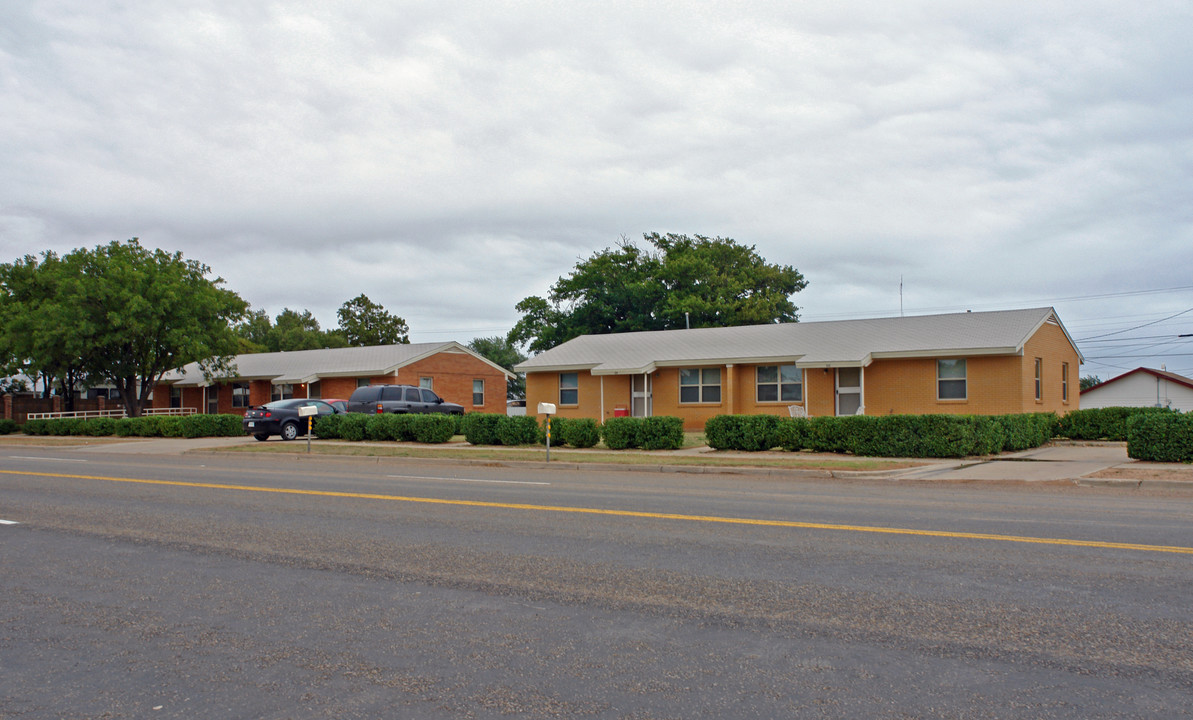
(305,366)
(841,343)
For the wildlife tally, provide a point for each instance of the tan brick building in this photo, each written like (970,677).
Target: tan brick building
(987,363)
(454,372)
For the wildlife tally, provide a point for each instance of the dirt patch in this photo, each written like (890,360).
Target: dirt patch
(1146,473)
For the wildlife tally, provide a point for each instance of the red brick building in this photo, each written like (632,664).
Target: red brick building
(454,372)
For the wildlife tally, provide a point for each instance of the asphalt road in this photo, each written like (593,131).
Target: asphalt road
(261,587)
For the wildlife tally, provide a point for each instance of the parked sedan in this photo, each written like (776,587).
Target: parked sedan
(280,417)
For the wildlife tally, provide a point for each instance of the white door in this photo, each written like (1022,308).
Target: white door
(640,396)
(849,391)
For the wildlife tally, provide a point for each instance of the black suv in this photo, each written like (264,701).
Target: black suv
(399,399)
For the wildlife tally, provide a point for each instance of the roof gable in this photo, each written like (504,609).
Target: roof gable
(1163,374)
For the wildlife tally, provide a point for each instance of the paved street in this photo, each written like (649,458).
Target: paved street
(172,586)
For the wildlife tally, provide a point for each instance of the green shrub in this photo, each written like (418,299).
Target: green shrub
(792,434)
(481,428)
(8,427)
(582,433)
(1024,431)
(36,427)
(354,425)
(559,430)
(1101,423)
(433,427)
(518,430)
(328,426)
(387,426)
(99,427)
(193,426)
(1160,437)
(662,432)
(723,432)
(622,433)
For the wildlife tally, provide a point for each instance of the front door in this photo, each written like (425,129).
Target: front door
(849,391)
(640,395)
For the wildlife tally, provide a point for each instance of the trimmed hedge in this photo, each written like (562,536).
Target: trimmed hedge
(189,426)
(622,433)
(8,427)
(481,428)
(582,433)
(1160,437)
(434,427)
(518,430)
(935,435)
(662,432)
(1102,423)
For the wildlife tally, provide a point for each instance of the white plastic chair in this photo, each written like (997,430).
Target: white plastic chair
(797,411)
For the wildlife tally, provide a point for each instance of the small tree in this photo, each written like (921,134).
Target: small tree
(501,351)
(1089,381)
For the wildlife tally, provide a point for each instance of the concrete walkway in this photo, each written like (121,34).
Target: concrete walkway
(1053,462)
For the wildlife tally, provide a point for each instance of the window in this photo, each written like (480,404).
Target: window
(362,382)
(175,397)
(240,395)
(478,393)
(285,391)
(429,397)
(569,388)
(779,383)
(700,385)
(426,382)
(313,390)
(950,379)
(1039,378)
(1064,382)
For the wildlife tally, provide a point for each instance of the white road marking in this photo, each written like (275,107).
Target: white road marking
(9,522)
(500,482)
(25,457)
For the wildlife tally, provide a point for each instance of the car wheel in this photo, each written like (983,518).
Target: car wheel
(261,436)
(289,431)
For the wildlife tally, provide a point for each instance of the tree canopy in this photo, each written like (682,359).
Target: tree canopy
(118,313)
(679,281)
(292,330)
(501,351)
(364,323)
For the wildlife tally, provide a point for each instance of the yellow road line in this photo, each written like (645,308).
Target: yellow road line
(634,514)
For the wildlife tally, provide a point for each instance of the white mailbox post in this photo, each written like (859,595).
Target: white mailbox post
(309,412)
(547,409)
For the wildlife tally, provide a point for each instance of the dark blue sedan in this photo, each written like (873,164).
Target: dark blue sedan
(280,417)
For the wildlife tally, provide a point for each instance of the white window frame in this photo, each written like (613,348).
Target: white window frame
(704,385)
(427,383)
(569,388)
(1064,382)
(1039,379)
(963,379)
(779,384)
(475,382)
(281,391)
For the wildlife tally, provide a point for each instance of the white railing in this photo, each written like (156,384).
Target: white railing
(117,413)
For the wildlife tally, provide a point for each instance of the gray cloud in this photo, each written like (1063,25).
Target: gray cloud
(449,159)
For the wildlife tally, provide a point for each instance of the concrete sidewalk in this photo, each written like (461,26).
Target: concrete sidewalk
(1060,461)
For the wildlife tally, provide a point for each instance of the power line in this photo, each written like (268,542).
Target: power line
(1120,332)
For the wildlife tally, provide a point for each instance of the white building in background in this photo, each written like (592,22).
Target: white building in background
(1141,387)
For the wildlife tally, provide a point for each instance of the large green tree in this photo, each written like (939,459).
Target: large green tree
(35,331)
(501,351)
(679,281)
(365,323)
(125,314)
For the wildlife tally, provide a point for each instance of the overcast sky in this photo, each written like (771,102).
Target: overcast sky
(451,158)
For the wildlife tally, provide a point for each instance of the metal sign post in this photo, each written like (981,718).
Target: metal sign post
(547,409)
(309,412)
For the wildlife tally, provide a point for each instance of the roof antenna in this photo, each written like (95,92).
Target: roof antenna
(900,296)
